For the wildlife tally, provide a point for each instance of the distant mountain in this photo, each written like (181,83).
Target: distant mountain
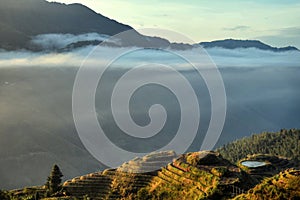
(234,44)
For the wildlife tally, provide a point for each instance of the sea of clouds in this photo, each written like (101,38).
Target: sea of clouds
(249,57)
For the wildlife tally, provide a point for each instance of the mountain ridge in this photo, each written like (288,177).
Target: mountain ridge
(52,17)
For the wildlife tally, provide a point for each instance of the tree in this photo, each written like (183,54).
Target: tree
(54,180)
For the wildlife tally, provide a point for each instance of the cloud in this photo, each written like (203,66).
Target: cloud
(237,28)
(30,59)
(290,31)
(57,41)
(222,58)
(254,58)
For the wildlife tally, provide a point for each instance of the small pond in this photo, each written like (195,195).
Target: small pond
(253,164)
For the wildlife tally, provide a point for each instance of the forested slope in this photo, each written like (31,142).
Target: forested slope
(285,143)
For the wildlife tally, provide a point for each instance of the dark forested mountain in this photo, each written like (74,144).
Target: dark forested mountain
(33,17)
(21,20)
(234,44)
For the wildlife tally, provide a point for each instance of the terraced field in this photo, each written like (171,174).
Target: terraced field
(95,185)
(198,175)
(164,175)
(149,163)
(118,183)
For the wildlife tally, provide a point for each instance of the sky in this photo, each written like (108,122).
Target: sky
(275,22)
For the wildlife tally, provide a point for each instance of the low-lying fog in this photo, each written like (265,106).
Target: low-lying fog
(36,123)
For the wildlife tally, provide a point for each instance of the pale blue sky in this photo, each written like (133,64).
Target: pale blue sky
(276,22)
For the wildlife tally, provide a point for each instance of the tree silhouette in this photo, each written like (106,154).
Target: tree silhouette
(54,180)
